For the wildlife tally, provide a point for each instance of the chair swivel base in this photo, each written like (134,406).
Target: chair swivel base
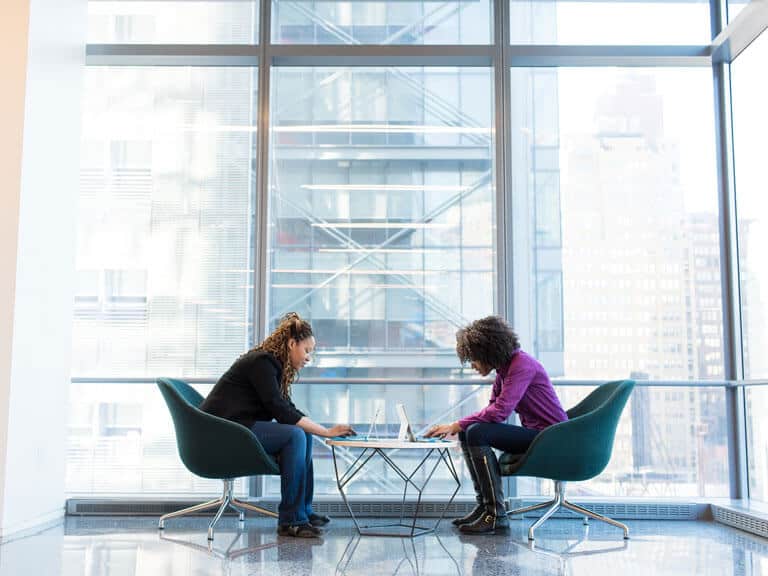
(227,500)
(558,502)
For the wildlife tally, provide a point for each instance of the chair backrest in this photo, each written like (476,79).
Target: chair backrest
(186,391)
(594,399)
(210,446)
(580,448)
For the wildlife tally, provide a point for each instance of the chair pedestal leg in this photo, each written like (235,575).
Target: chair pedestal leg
(589,514)
(231,502)
(236,508)
(219,512)
(190,510)
(531,508)
(227,500)
(554,507)
(560,501)
(253,508)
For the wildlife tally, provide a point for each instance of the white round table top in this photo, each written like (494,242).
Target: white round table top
(351,442)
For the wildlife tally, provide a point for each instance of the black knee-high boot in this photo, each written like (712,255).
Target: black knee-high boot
(494,517)
(479,508)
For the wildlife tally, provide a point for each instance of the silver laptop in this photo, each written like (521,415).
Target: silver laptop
(405,434)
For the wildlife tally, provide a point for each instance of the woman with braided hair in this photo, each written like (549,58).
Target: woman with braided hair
(256,392)
(523,386)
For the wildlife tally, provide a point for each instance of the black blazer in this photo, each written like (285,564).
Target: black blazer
(250,391)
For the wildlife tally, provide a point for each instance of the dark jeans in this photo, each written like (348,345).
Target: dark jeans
(293,448)
(504,437)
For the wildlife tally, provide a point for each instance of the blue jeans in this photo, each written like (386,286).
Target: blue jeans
(504,437)
(293,449)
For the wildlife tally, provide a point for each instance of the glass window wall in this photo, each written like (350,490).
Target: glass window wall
(616,22)
(393,22)
(163,262)
(173,22)
(165,232)
(382,213)
(615,187)
(121,441)
(671,442)
(750,92)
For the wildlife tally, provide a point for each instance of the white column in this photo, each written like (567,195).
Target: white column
(42,57)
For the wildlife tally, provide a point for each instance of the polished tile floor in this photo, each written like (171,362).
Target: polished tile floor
(130,546)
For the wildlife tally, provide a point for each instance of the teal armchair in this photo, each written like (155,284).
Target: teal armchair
(571,451)
(213,447)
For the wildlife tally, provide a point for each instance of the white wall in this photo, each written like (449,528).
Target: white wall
(42,55)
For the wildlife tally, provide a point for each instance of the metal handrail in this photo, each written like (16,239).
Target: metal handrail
(444,382)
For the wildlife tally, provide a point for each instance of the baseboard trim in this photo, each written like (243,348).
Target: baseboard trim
(31,527)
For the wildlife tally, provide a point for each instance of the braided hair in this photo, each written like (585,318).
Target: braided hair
(291,326)
(489,340)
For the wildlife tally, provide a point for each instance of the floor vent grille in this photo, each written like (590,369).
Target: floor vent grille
(385,509)
(626,510)
(129,508)
(741,520)
(362,508)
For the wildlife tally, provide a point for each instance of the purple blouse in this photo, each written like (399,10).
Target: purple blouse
(523,386)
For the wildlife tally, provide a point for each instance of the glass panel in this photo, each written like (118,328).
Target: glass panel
(357,404)
(382,213)
(757,442)
(750,90)
(750,125)
(616,168)
(619,22)
(384,22)
(121,441)
(173,22)
(670,443)
(164,245)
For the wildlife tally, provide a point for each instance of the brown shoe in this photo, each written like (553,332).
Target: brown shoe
(478,511)
(486,524)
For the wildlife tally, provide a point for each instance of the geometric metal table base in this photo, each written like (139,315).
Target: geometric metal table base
(405,527)
(559,501)
(227,500)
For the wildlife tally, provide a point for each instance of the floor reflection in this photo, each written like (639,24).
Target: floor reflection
(241,543)
(420,556)
(564,550)
(133,547)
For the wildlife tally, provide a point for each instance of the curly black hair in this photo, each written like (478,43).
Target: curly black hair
(291,326)
(489,340)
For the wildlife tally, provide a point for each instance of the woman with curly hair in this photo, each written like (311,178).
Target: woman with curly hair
(523,386)
(256,392)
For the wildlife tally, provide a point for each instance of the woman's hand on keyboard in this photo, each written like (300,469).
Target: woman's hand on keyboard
(443,430)
(341,430)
